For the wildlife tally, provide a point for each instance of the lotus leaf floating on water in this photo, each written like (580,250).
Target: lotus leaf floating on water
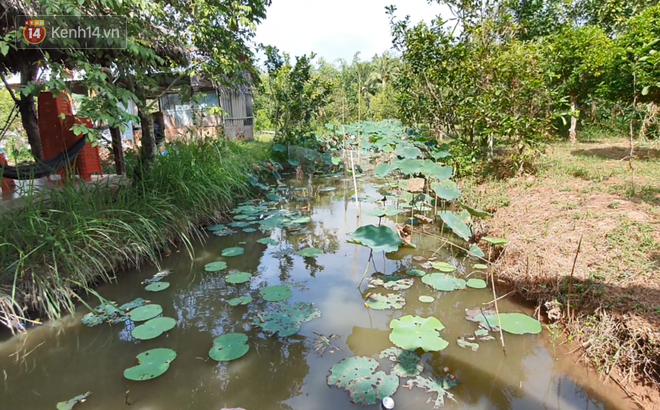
(286,320)
(229,347)
(365,386)
(392,301)
(414,332)
(152,363)
(276,293)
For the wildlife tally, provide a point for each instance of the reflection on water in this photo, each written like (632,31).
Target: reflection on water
(61,360)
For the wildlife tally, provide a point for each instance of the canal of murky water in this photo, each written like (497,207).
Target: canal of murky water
(57,361)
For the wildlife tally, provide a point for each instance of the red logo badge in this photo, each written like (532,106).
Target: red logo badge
(34,31)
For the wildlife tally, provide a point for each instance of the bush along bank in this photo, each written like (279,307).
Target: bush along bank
(59,242)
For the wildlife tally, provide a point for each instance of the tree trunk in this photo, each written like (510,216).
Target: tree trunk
(574,119)
(148,140)
(28,110)
(118,151)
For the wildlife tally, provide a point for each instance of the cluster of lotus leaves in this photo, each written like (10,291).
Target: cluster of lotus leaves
(242,300)
(359,377)
(229,347)
(414,332)
(152,363)
(378,238)
(392,282)
(286,320)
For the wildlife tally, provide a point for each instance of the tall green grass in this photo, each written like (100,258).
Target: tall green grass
(61,242)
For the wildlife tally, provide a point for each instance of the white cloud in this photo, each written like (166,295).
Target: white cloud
(337,29)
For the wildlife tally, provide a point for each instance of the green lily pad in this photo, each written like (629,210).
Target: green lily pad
(477,284)
(215,266)
(327,189)
(467,344)
(393,282)
(409,166)
(153,328)
(243,300)
(68,405)
(157,287)
(426,299)
(310,252)
(285,319)
(433,385)
(447,190)
(414,332)
(240,277)
(437,171)
(239,224)
(229,347)
(476,252)
(216,228)
(457,226)
(152,363)
(383,170)
(516,323)
(443,266)
(224,232)
(267,241)
(381,238)
(357,376)
(407,363)
(249,230)
(485,318)
(145,313)
(392,301)
(228,252)
(276,293)
(480,266)
(446,283)
(495,241)
(241,217)
(416,272)
(301,220)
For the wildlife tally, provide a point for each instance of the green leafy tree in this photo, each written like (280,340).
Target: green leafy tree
(577,60)
(296,97)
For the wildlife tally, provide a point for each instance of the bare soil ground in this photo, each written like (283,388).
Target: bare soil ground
(588,197)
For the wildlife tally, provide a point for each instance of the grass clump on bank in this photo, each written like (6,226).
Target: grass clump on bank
(586,192)
(59,241)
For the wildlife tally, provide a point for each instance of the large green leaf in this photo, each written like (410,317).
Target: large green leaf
(276,293)
(436,171)
(153,328)
(443,282)
(516,323)
(240,277)
(457,226)
(477,284)
(145,313)
(383,170)
(447,190)
(443,266)
(228,252)
(381,238)
(157,287)
(410,166)
(357,376)
(408,151)
(392,301)
(285,319)
(267,241)
(68,405)
(229,347)
(414,332)
(215,266)
(152,363)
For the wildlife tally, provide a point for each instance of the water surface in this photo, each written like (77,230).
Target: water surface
(58,361)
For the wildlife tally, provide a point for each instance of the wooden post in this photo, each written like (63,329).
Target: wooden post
(118,151)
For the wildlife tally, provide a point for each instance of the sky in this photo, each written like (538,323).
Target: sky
(337,29)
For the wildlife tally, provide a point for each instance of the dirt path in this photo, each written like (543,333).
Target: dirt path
(586,193)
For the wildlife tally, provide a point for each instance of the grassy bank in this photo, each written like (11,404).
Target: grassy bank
(587,192)
(61,241)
